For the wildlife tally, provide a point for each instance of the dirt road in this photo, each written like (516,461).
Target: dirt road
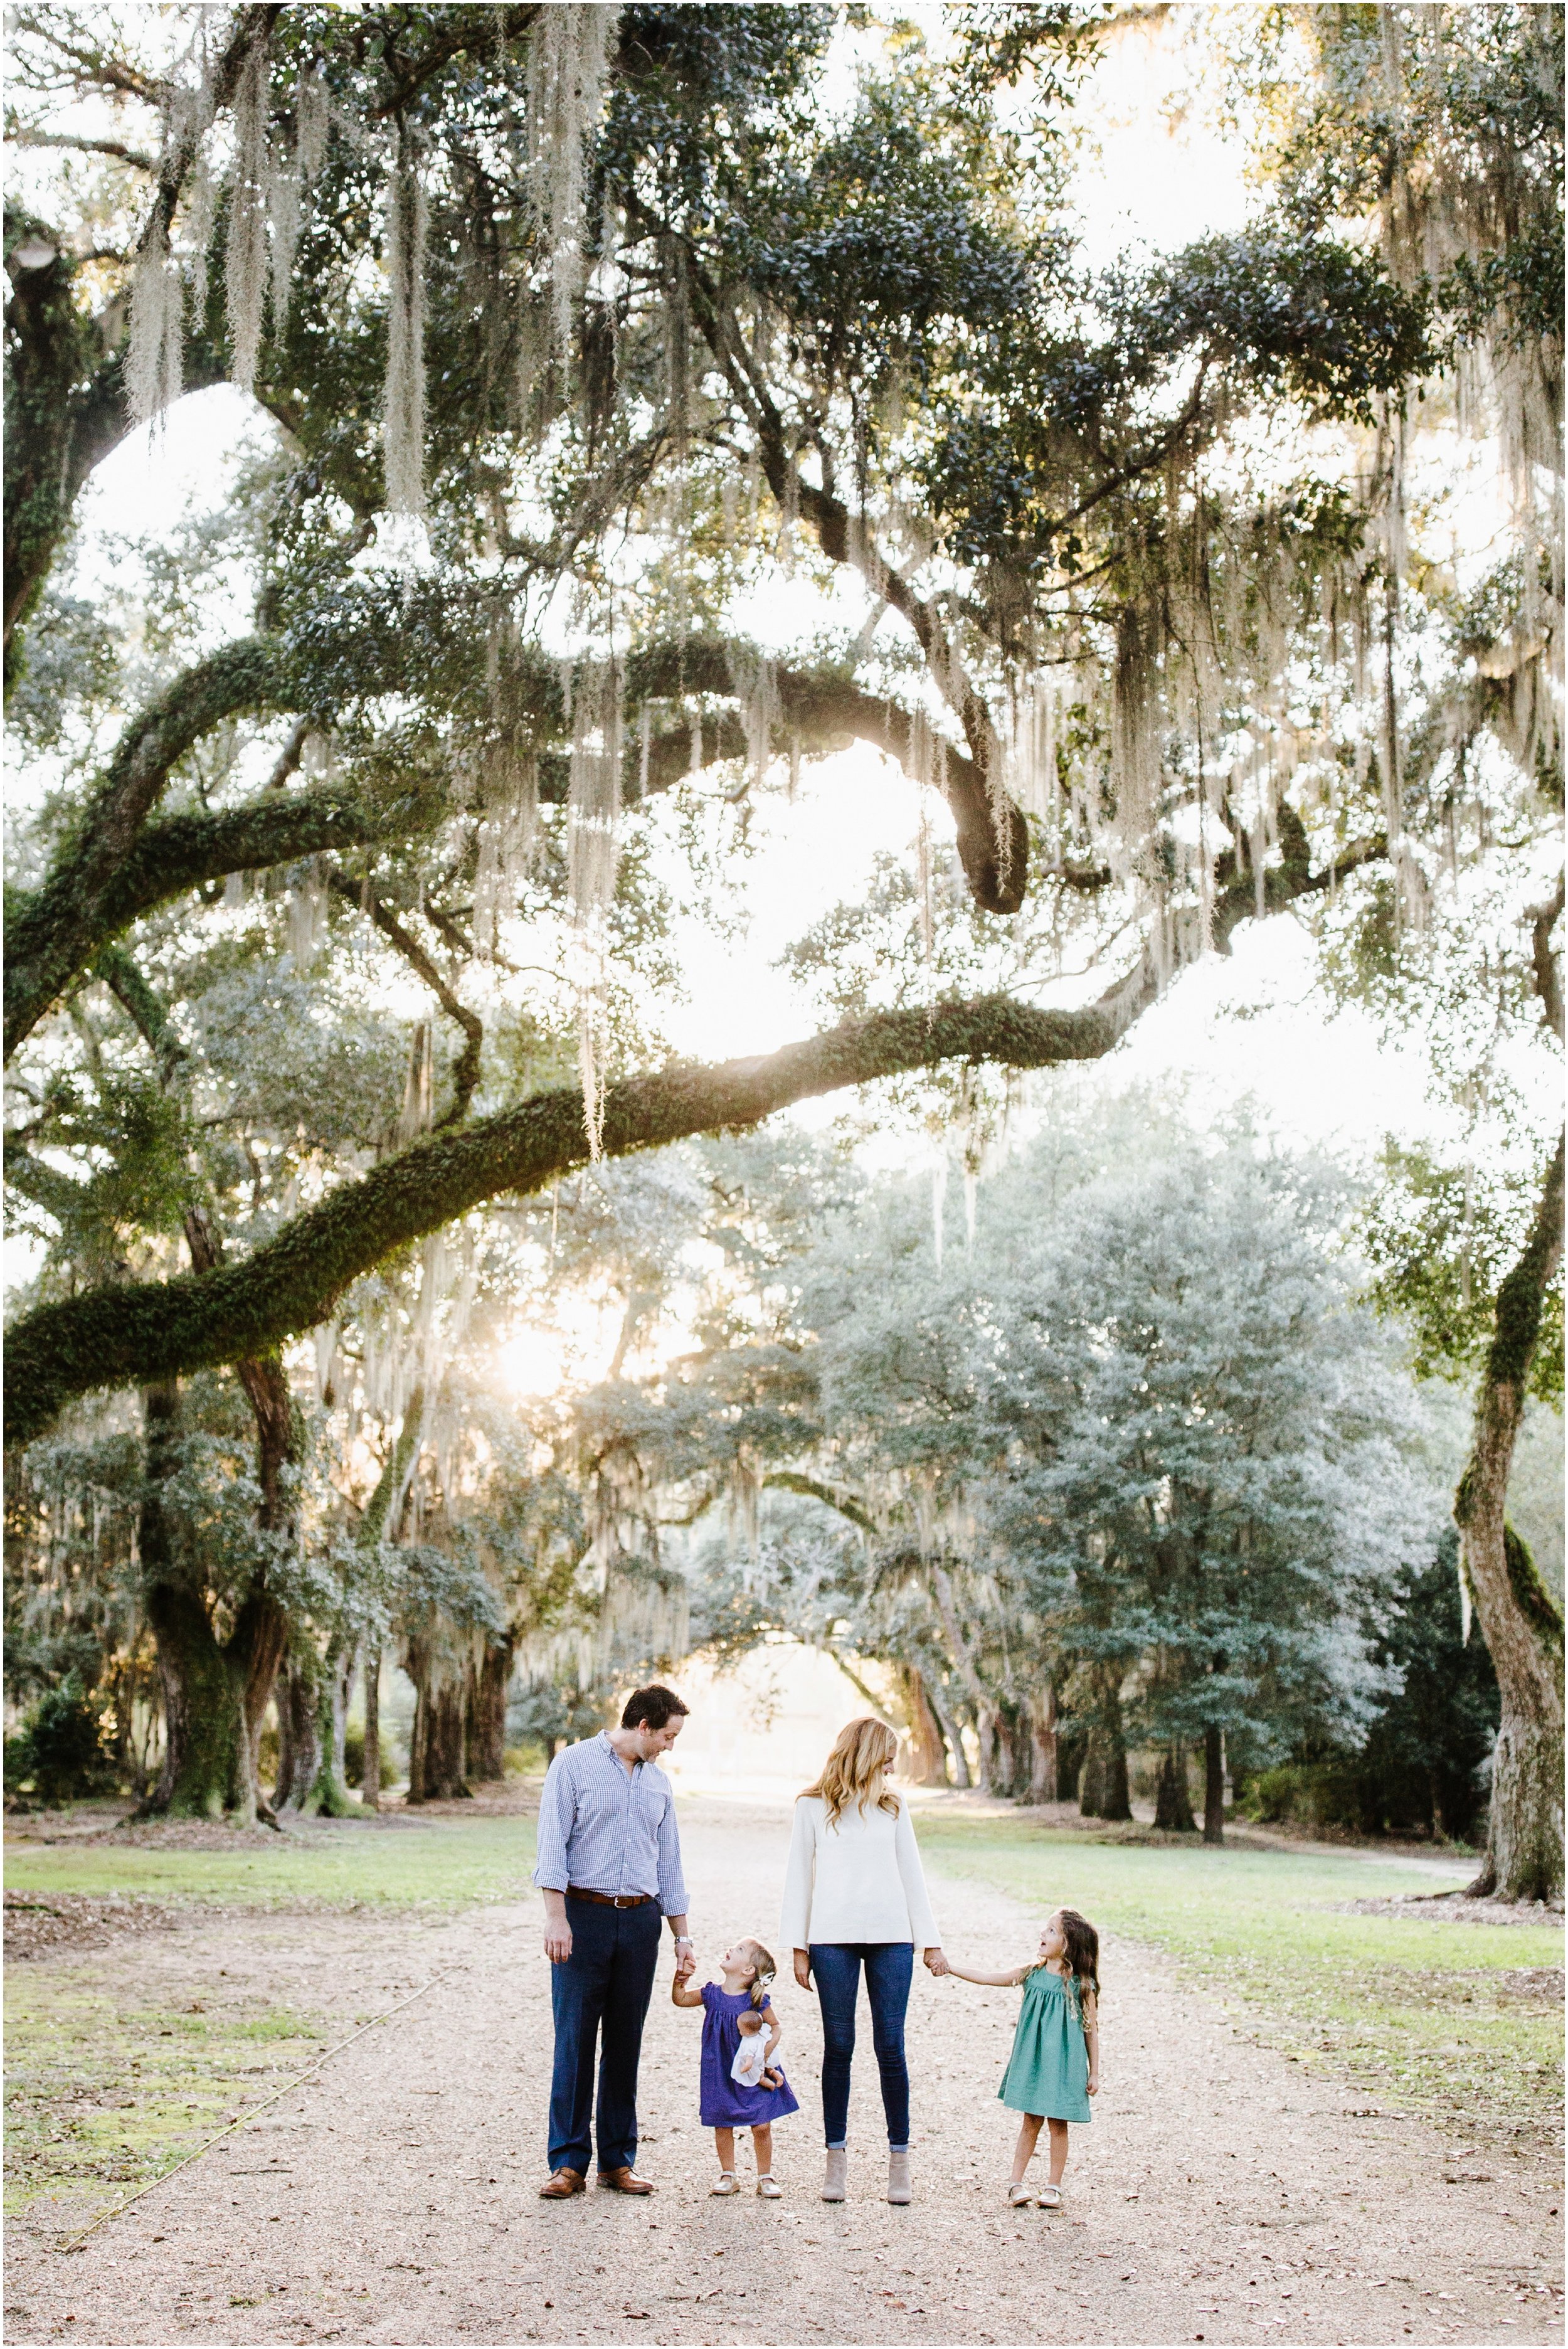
(1220,2195)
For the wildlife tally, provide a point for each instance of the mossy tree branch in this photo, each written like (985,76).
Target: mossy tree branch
(185,851)
(124,1335)
(55,930)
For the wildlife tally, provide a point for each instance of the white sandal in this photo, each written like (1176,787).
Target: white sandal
(1019,2197)
(766,2186)
(1050,2198)
(728,2183)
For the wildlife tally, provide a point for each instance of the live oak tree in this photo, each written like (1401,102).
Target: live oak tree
(528,287)
(1127,1465)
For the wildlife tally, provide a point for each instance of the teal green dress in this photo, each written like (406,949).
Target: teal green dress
(1048,2070)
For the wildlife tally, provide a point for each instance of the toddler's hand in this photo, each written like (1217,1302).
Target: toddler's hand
(1094,2084)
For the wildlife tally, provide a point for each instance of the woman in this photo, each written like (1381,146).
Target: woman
(855,1896)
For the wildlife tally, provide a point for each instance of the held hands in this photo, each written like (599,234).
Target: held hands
(937,1963)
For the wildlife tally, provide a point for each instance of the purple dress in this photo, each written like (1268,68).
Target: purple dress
(725,2102)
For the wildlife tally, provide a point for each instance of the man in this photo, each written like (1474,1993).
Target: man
(609,1865)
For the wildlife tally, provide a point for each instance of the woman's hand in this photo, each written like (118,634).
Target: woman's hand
(803,1968)
(937,1962)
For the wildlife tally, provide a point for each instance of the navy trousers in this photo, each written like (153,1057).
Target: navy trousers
(889,1967)
(601,1994)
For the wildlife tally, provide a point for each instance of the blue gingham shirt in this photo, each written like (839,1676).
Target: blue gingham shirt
(607,1829)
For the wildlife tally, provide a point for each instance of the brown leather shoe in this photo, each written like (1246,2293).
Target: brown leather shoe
(625,2181)
(565,2183)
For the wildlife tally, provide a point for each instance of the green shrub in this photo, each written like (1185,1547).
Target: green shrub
(1323,1795)
(353,1757)
(61,1750)
(523,1760)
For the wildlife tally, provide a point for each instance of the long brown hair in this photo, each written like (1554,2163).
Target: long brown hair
(1081,1955)
(862,1750)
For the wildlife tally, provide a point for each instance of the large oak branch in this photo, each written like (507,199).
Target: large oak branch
(55,929)
(117,1336)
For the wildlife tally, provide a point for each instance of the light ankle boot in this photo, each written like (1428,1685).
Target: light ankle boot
(897,2185)
(834,2184)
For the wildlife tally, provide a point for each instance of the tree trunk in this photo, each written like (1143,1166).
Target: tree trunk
(1040,1716)
(997,1762)
(1213,1784)
(1103,1791)
(927,1762)
(1173,1803)
(958,1761)
(489,1681)
(370,1783)
(299,1693)
(213,1694)
(958,1649)
(1518,1622)
(329,1796)
(436,1757)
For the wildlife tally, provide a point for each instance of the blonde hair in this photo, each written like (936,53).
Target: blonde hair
(766,1970)
(861,1752)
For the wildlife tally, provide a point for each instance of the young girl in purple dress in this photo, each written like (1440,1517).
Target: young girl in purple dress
(728,2100)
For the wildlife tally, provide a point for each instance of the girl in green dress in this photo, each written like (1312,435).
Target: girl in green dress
(1054,2068)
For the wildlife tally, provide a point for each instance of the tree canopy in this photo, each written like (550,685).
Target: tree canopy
(583,341)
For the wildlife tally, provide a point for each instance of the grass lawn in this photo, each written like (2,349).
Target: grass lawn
(1451,2020)
(433,1863)
(115,2071)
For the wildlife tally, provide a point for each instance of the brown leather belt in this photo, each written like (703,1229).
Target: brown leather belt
(610,1900)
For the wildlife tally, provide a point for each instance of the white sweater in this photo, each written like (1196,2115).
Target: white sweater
(857,1880)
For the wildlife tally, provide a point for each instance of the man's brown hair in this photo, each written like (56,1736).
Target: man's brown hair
(651,1708)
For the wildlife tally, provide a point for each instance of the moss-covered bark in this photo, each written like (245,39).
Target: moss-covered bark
(370,1782)
(328,1796)
(185,851)
(1521,1626)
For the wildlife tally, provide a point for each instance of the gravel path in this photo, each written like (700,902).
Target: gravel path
(1220,2195)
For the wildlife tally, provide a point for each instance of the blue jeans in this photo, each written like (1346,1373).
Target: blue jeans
(889,1968)
(600,1993)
